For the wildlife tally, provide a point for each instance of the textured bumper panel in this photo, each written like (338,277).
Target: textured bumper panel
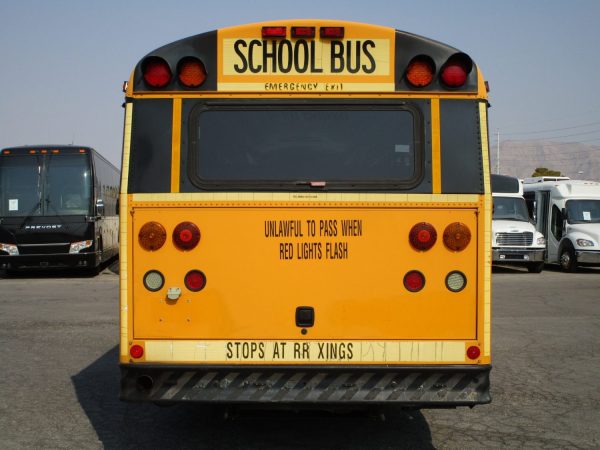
(410,386)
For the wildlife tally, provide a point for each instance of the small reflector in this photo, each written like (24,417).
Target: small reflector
(195,280)
(43,152)
(332,32)
(414,281)
(55,151)
(136,351)
(274,32)
(473,352)
(6,152)
(81,150)
(32,152)
(307,32)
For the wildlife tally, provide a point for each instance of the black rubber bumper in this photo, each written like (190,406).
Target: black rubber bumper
(414,386)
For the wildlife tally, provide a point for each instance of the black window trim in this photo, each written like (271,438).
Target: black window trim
(309,104)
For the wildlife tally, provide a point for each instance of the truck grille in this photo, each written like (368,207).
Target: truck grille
(525,238)
(43,249)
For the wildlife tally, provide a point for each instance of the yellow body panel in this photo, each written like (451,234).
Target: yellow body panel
(352,276)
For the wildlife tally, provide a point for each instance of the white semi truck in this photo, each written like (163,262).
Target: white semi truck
(567,212)
(515,240)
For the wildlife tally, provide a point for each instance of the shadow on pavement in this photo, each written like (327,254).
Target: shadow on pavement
(130,425)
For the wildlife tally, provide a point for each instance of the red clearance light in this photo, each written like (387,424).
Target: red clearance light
(274,32)
(306,32)
(81,150)
(32,152)
(136,351)
(422,236)
(186,236)
(43,152)
(6,152)
(152,236)
(473,352)
(457,236)
(191,72)
(414,281)
(156,72)
(55,151)
(454,73)
(332,32)
(195,280)
(420,70)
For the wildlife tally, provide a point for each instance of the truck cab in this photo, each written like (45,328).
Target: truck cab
(567,212)
(515,241)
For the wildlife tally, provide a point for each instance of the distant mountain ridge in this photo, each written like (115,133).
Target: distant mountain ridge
(520,158)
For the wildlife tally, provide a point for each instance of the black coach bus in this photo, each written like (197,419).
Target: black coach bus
(58,208)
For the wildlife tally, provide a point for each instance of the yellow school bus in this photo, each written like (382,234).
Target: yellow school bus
(305,220)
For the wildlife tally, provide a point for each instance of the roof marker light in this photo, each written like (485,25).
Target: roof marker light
(332,32)
(420,70)
(455,71)
(191,72)
(274,32)
(303,32)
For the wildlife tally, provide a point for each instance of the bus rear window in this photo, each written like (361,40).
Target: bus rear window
(344,147)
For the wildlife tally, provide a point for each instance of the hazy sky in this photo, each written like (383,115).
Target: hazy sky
(63,62)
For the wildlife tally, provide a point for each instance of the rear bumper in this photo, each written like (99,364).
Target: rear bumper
(410,386)
(521,255)
(51,261)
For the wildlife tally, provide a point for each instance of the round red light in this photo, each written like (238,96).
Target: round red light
(156,72)
(136,351)
(195,280)
(473,352)
(455,71)
(422,236)
(186,236)
(414,281)
(191,72)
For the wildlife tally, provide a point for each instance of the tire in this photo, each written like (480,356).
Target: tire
(535,267)
(568,260)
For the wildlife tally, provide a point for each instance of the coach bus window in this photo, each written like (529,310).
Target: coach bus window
(68,185)
(20,185)
(298,145)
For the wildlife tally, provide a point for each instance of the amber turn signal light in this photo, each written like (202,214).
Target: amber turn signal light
(457,236)
(152,236)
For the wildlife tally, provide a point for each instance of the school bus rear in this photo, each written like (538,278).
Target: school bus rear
(305,218)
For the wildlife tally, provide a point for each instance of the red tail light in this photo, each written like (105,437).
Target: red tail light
(332,32)
(152,236)
(156,72)
(457,236)
(136,351)
(473,352)
(414,281)
(195,280)
(455,71)
(191,72)
(422,236)
(186,236)
(420,70)
(274,32)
